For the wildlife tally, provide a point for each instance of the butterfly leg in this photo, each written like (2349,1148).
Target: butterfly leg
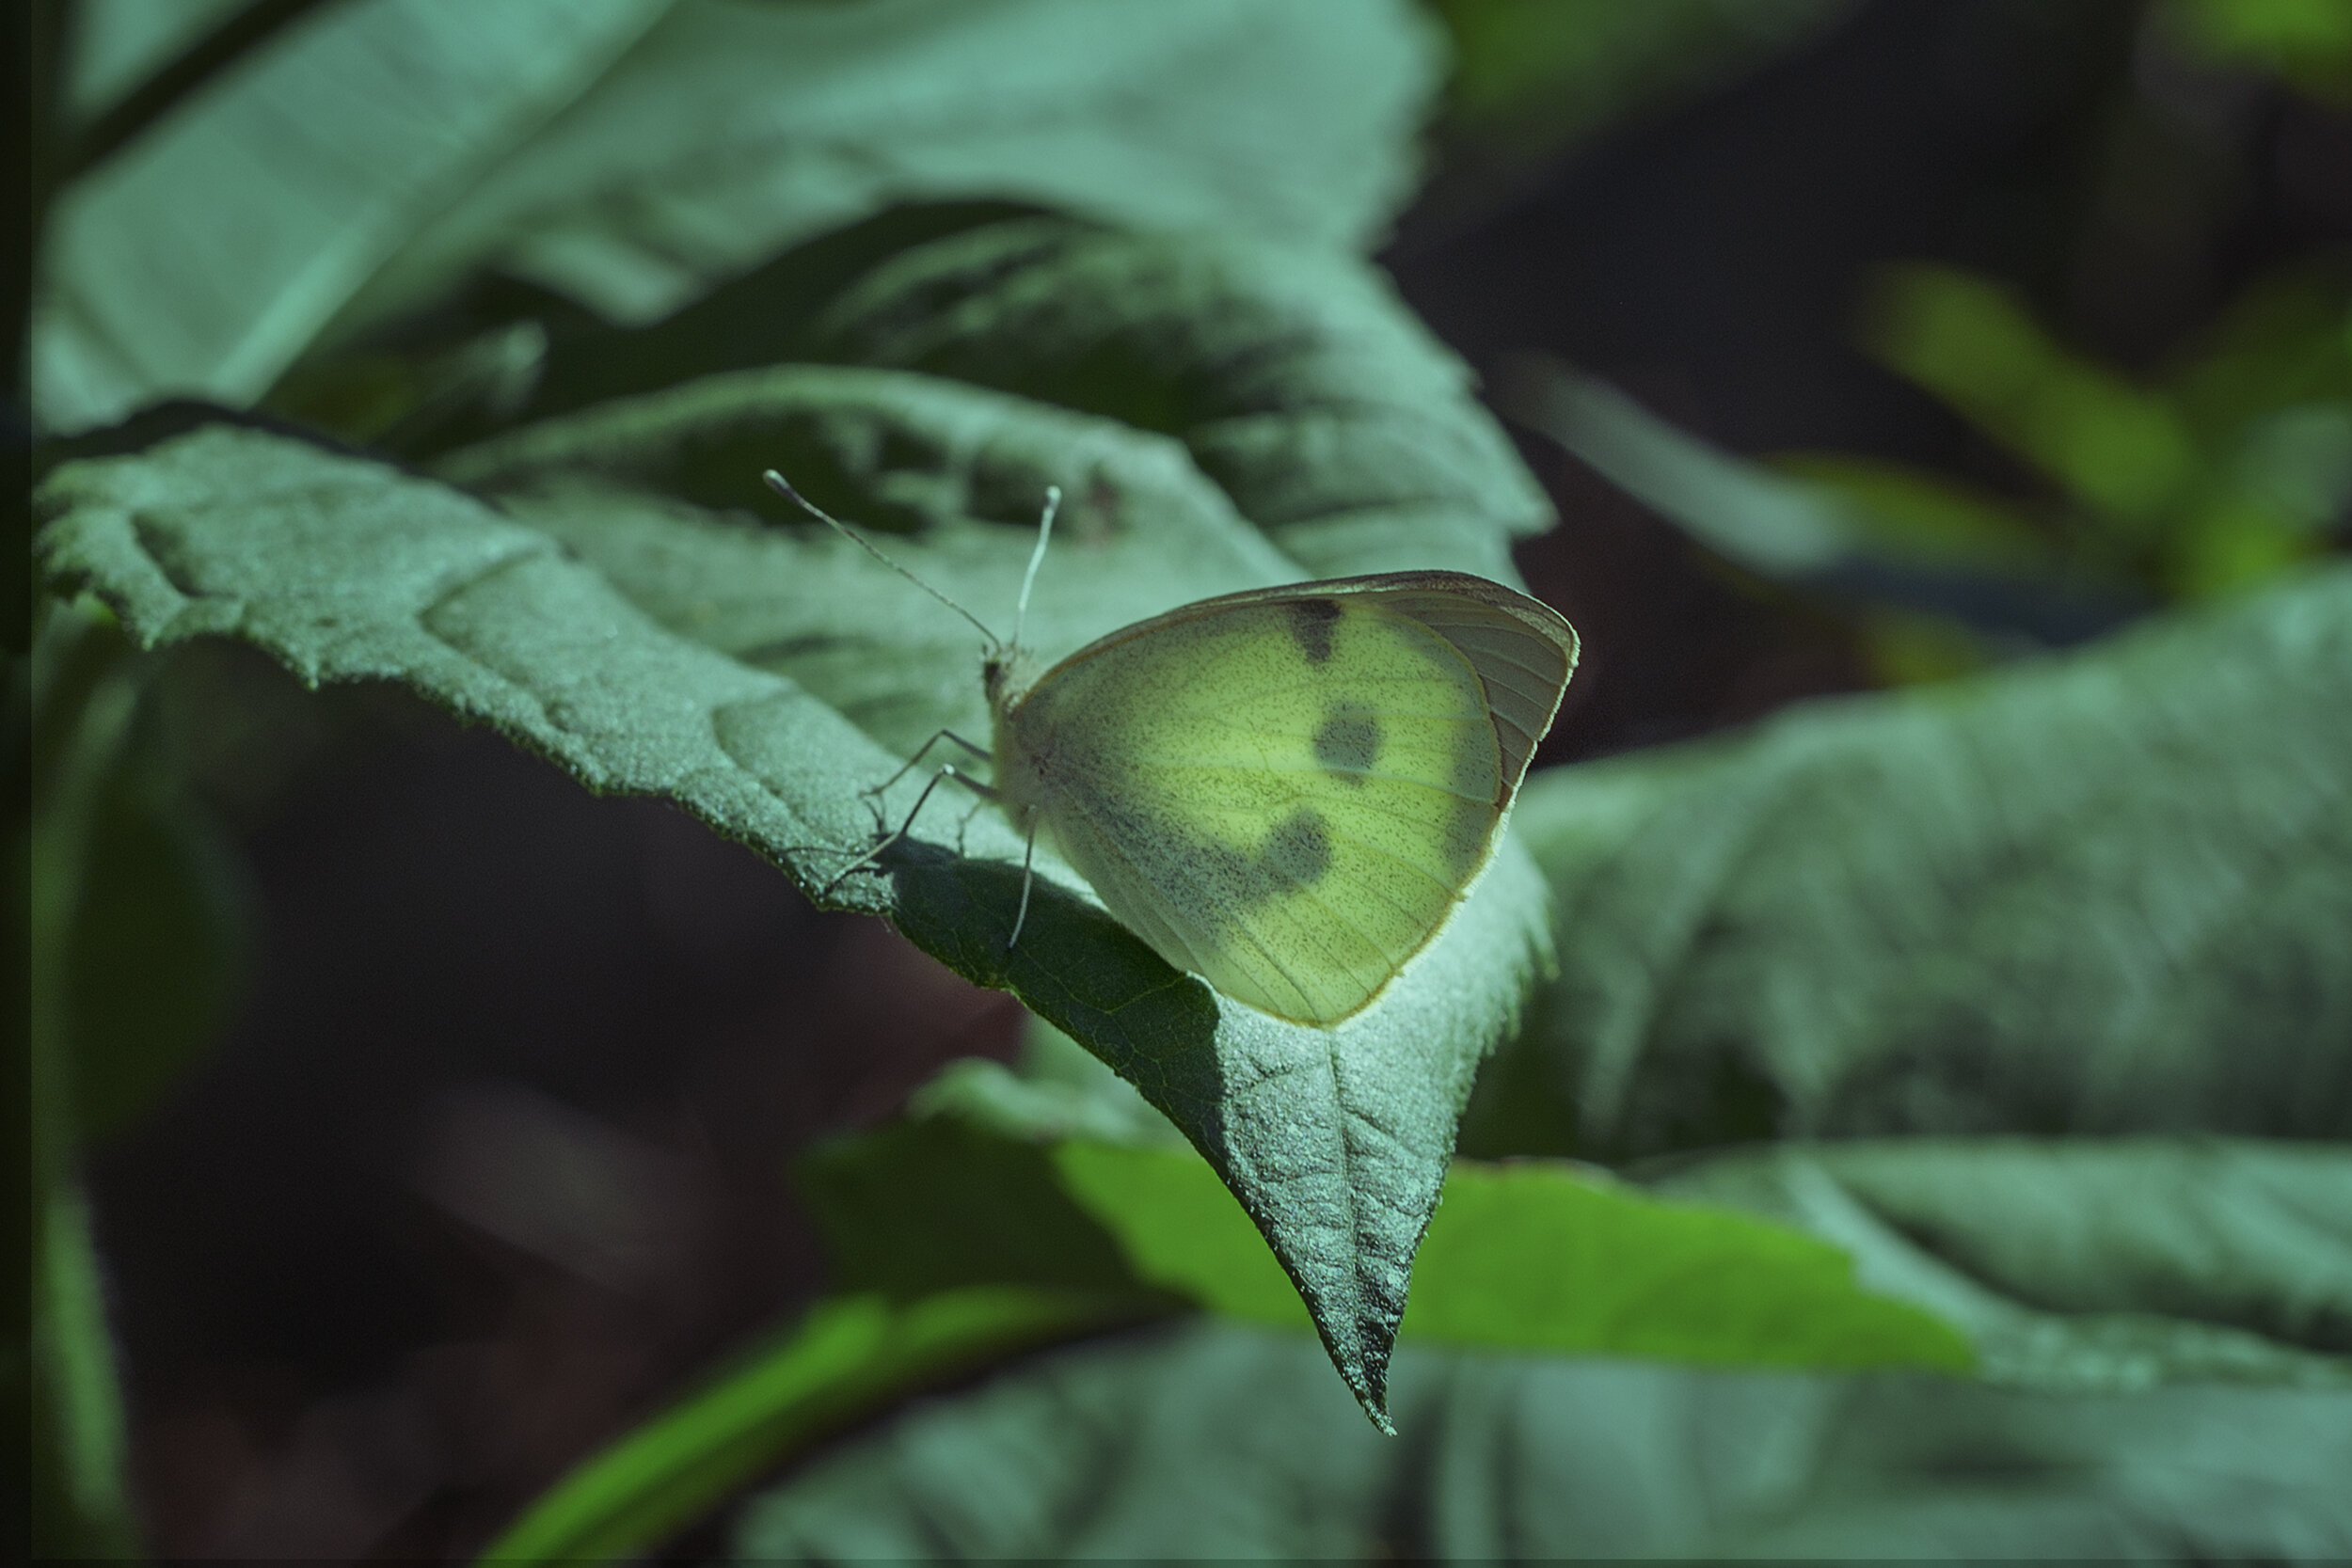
(1028,855)
(947,772)
(963,825)
(920,753)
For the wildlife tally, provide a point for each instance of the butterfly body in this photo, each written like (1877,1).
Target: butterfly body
(1288,791)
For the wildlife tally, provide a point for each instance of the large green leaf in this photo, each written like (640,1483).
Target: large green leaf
(733,131)
(2178,1299)
(762,675)
(1295,378)
(1216,1440)
(1526,1256)
(630,153)
(2092,1264)
(1542,1256)
(1333,418)
(2104,893)
(951,1245)
(206,256)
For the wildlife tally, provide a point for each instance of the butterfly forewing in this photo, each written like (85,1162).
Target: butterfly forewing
(1522,651)
(1287,792)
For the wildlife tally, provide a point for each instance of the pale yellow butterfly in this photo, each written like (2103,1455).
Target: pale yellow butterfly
(1287,791)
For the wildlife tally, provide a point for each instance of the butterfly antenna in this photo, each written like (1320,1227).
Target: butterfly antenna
(782,486)
(1037,558)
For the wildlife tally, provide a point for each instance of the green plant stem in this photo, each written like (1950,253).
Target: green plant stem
(82,1503)
(848,1357)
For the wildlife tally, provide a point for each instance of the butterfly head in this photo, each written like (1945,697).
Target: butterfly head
(1004,676)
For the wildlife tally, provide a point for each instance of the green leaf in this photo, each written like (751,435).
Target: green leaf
(2285,342)
(921,1207)
(2106,893)
(2124,453)
(631,154)
(2162,1326)
(747,671)
(1295,379)
(734,131)
(1840,527)
(2079,1264)
(1909,513)
(206,256)
(1521,1256)
(1770,522)
(848,1356)
(958,476)
(1223,1440)
(1058,1092)
(2307,41)
(1538,1255)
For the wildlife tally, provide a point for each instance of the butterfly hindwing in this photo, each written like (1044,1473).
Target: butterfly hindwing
(1288,791)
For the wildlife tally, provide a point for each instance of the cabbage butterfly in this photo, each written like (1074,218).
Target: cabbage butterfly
(1285,791)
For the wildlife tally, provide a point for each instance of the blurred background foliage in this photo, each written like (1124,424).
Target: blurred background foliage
(1934,1137)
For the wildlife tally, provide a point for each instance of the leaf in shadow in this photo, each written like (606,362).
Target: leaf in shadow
(1295,378)
(2083,1263)
(2104,893)
(205,257)
(1216,1439)
(734,131)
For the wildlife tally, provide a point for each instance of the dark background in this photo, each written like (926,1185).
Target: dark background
(467,977)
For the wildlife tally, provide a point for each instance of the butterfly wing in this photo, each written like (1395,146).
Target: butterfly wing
(1288,791)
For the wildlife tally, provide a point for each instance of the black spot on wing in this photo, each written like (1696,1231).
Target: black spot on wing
(1297,853)
(1348,742)
(1310,622)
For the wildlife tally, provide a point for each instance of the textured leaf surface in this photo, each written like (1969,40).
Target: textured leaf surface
(1295,378)
(2098,1265)
(2100,894)
(1538,1255)
(205,257)
(631,153)
(1220,1440)
(733,131)
(1528,1256)
(2127,1438)
(747,669)
(1332,419)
